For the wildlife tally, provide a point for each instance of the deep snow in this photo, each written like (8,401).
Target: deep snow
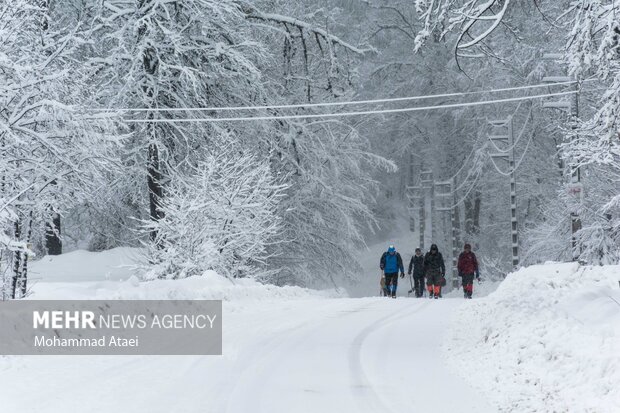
(545,341)
(80,265)
(287,355)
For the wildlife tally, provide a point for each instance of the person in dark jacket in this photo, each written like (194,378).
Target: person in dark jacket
(435,271)
(468,267)
(417,265)
(390,263)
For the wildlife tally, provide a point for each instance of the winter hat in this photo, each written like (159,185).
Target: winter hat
(467,246)
(391,248)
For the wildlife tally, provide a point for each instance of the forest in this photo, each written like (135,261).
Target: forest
(270,138)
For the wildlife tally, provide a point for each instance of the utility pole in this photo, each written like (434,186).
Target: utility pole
(507,140)
(415,208)
(444,191)
(426,212)
(575,187)
(413,195)
(455,222)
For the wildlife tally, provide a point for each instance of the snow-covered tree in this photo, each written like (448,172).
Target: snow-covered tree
(593,47)
(221,217)
(154,55)
(331,189)
(48,151)
(588,33)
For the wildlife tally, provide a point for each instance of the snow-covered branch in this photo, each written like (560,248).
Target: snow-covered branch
(303,26)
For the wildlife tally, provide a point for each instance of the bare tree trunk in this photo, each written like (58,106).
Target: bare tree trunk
(472,214)
(476,213)
(457,224)
(53,243)
(23,279)
(5,284)
(560,161)
(469,216)
(154,186)
(153,168)
(17,256)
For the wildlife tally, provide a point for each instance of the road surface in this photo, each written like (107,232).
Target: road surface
(307,355)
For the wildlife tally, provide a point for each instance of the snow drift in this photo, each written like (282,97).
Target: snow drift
(80,265)
(113,275)
(547,340)
(209,286)
(84,275)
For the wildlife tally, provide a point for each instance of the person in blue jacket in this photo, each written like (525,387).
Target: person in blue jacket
(390,264)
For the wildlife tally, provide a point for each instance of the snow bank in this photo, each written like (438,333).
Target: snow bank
(80,265)
(546,341)
(84,275)
(209,286)
(481,289)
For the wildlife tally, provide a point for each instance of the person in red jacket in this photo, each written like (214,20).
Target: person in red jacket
(468,268)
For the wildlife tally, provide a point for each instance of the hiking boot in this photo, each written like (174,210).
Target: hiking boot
(430,295)
(436,297)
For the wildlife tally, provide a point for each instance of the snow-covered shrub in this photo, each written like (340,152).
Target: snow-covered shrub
(220,217)
(492,268)
(550,238)
(598,240)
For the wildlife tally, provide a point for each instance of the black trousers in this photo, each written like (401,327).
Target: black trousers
(468,284)
(391,282)
(418,285)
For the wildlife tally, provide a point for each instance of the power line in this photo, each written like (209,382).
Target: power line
(476,167)
(473,149)
(514,145)
(327,104)
(464,197)
(344,114)
(498,169)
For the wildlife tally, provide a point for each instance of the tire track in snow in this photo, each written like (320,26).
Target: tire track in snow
(364,393)
(256,365)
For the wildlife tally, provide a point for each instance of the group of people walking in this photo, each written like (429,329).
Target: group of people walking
(431,267)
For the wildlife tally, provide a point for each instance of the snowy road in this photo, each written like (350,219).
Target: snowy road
(312,355)
(369,355)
